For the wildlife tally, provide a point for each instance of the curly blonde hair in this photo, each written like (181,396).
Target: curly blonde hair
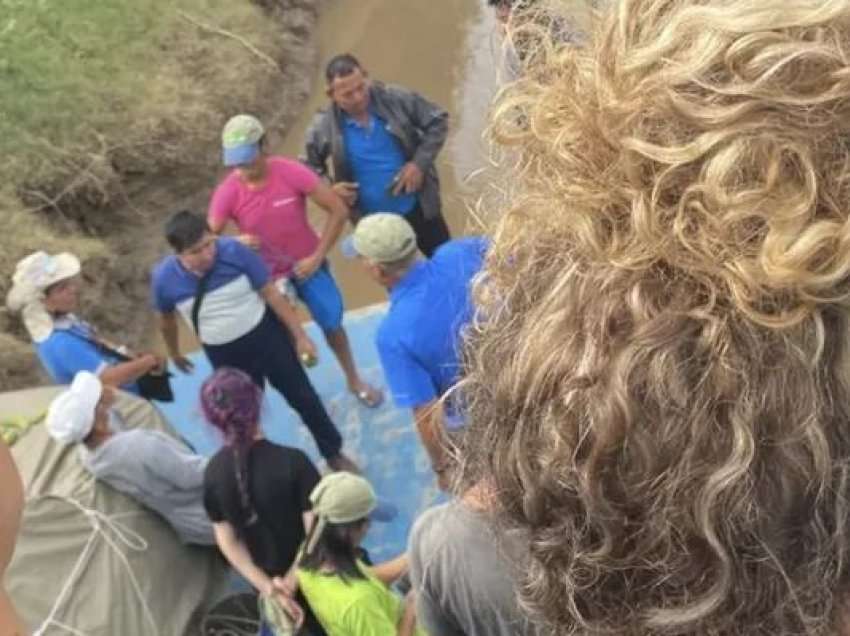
(656,387)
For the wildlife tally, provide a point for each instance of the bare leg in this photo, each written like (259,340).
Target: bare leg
(338,342)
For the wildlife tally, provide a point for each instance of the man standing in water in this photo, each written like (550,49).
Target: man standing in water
(382,142)
(266,197)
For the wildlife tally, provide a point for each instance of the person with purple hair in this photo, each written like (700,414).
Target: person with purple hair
(256,493)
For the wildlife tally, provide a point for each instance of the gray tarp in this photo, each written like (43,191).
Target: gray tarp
(107,577)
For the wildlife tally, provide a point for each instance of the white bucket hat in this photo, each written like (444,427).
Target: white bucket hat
(33,274)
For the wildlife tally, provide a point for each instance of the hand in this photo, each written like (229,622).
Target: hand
(183,363)
(347,190)
(161,365)
(409,179)
(306,267)
(305,347)
(296,613)
(286,585)
(251,240)
(153,362)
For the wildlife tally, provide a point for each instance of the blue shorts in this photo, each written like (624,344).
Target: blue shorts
(322,296)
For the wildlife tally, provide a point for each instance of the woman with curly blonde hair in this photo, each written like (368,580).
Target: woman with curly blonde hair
(658,392)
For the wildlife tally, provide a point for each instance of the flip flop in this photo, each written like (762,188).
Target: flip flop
(371,397)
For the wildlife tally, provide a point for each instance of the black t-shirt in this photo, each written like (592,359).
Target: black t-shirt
(280,480)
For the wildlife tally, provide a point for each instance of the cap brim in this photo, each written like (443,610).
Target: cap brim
(384,512)
(347,248)
(240,155)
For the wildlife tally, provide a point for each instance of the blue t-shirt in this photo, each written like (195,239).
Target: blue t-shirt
(375,157)
(418,341)
(69,350)
(232,306)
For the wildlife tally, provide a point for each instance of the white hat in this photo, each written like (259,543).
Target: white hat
(40,270)
(71,414)
(33,274)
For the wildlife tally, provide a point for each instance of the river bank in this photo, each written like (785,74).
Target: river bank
(98,178)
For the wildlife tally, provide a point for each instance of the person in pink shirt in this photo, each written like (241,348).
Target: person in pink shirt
(266,197)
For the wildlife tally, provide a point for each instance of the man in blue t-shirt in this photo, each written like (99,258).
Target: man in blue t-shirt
(224,293)
(381,143)
(418,340)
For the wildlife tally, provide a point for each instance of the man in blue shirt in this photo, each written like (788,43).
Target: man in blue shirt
(419,339)
(382,142)
(224,292)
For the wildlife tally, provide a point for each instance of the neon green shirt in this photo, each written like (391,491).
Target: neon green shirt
(352,607)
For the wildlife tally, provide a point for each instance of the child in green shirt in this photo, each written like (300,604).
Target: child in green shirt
(348,597)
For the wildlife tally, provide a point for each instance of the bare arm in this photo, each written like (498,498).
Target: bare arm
(337,214)
(429,424)
(287,315)
(216,226)
(308,517)
(238,556)
(125,372)
(169,331)
(288,584)
(407,623)
(389,571)
(283,310)
(326,198)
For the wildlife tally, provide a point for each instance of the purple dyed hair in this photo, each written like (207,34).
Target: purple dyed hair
(231,401)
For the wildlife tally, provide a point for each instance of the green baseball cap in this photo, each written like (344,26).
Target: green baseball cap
(240,140)
(383,237)
(344,497)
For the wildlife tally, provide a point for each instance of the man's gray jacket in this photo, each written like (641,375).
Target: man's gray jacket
(420,127)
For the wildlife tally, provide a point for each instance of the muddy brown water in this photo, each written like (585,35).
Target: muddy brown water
(447,54)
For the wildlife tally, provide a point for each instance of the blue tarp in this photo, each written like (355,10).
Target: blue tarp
(382,441)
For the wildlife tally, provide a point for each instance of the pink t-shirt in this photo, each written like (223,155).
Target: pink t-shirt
(275,212)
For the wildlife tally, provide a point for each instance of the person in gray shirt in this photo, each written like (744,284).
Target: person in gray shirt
(463,580)
(152,467)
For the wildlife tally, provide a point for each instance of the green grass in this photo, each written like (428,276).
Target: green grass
(75,75)
(96,92)
(70,69)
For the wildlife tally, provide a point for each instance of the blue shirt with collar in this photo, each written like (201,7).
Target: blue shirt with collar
(418,341)
(375,157)
(70,348)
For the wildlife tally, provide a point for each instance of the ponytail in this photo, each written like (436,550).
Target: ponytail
(241,464)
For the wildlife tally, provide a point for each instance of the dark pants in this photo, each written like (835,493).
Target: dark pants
(430,233)
(267,353)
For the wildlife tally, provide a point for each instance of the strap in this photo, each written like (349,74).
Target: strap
(104,346)
(203,283)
